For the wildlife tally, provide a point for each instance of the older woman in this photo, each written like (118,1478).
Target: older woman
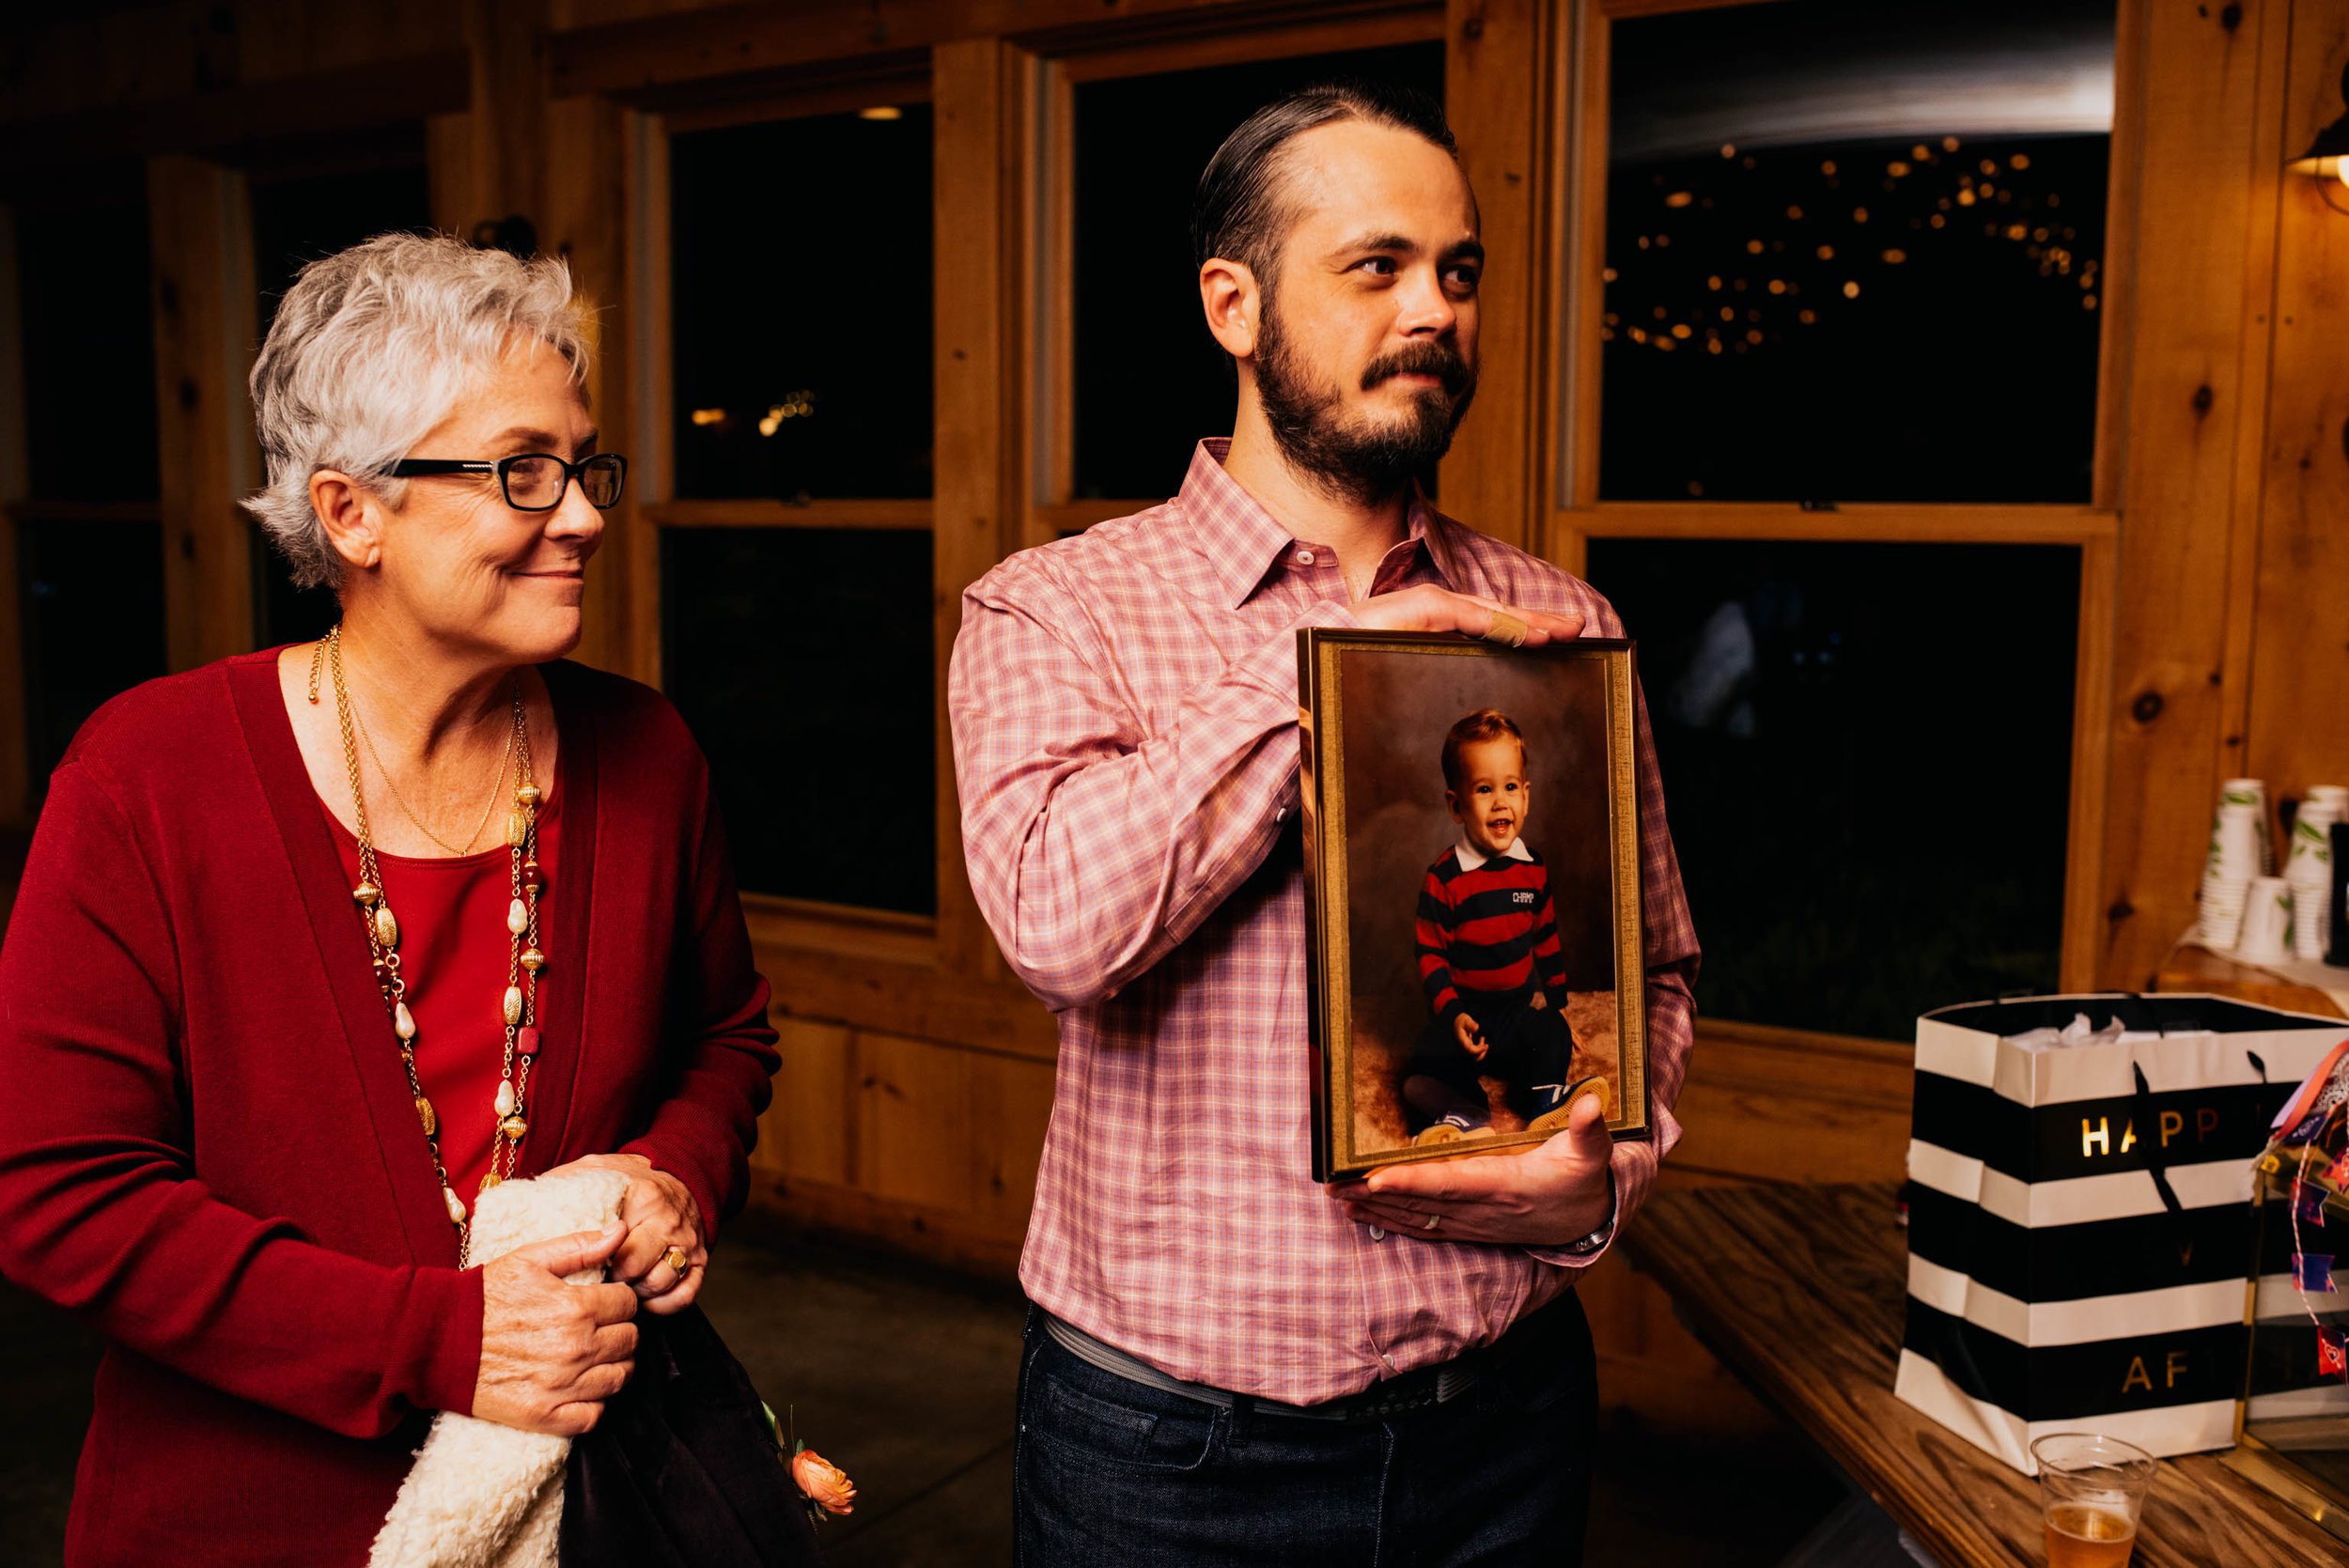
(317,944)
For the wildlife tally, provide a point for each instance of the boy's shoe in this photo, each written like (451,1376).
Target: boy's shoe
(1454,1127)
(1552,1102)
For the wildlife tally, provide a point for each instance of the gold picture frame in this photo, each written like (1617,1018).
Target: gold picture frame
(1377,707)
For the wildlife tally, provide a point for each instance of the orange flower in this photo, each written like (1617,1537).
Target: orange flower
(824,1482)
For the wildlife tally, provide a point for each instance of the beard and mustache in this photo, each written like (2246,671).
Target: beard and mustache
(1362,460)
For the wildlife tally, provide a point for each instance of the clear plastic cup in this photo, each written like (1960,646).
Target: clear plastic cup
(2091,1489)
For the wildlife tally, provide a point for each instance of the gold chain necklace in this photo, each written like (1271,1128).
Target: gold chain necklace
(519,1007)
(505,763)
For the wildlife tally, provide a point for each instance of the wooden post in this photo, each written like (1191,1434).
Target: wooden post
(2195,391)
(1493,54)
(586,222)
(205,322)
(978,430)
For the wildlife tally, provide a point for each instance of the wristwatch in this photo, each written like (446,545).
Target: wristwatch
(1597,1238)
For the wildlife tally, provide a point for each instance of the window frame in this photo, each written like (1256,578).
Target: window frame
(1572,513)
(1045,479)
(653,507)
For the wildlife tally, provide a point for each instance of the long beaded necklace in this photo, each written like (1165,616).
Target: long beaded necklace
(519,1007)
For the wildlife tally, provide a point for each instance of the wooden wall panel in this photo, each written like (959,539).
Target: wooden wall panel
(2196,195)
(805,1133)
(2298,631)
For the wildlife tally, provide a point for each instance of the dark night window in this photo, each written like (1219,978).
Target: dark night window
(297,221)
(89,349)
(93,624)
(1866,757)
(1856,251)
(1149,382)
(828,784)
(800,255)
(89,549)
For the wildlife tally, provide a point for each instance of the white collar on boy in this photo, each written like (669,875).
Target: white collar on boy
(1470,857)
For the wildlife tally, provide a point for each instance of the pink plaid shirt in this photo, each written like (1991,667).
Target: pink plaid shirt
(1124,721)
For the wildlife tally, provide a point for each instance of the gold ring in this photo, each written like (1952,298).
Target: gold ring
(1432,1220)
(676,1260)
(1507,629)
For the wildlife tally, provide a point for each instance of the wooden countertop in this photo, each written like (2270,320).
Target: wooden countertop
(2198,968)
(1801,1290)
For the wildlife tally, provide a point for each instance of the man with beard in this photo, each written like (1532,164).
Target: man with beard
(1225,1362)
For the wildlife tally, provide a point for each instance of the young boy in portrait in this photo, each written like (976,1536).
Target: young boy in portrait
(1490,960)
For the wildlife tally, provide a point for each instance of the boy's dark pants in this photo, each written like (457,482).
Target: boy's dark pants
(1526,1046)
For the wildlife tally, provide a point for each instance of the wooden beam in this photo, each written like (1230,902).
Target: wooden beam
(201,236)
(2192,394)
(1493,53)
(645,55)
(390,92)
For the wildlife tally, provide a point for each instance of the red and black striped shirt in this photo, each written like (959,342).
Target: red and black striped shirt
(1491,931)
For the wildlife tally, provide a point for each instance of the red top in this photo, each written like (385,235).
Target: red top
(453,950)
(208,1149)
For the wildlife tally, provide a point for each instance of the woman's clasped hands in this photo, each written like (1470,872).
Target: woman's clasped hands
(552,1353)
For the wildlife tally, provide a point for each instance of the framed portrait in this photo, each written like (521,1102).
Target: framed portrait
(1472,853)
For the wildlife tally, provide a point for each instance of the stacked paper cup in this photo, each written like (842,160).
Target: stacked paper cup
(2253,793)
(2234,861)
(2309,869)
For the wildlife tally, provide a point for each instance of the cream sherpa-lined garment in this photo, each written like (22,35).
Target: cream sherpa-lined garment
(484,1495)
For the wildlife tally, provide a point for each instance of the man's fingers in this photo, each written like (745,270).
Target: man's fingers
(568,1254)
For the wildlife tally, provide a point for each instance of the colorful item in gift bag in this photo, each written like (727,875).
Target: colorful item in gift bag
(2318,1094)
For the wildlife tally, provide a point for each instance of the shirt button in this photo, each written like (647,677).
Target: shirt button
(1282,815)
(1304,557)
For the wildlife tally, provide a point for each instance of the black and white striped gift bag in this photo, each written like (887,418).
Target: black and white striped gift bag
(2080,1227)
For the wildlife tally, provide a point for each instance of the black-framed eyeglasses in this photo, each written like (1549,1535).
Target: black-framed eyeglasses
(533,481)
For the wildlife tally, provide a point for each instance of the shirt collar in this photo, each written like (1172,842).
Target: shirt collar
(1471,858)
(1242,541)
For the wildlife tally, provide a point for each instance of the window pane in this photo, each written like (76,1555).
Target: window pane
(296,222)
(816,709)
(1853,252)
(800,320)
(1866,753)
(93,619)
(89,349)
(1149,381)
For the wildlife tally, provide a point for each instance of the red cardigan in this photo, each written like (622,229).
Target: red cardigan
(207,1146)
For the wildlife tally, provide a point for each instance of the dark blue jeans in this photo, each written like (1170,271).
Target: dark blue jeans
(1110,1472)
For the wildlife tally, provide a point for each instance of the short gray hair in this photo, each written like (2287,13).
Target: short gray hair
(370,350)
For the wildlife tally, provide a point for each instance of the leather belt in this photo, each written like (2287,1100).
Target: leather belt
(1410,1390)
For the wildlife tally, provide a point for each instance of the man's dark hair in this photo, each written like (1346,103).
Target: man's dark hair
(1240,213)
